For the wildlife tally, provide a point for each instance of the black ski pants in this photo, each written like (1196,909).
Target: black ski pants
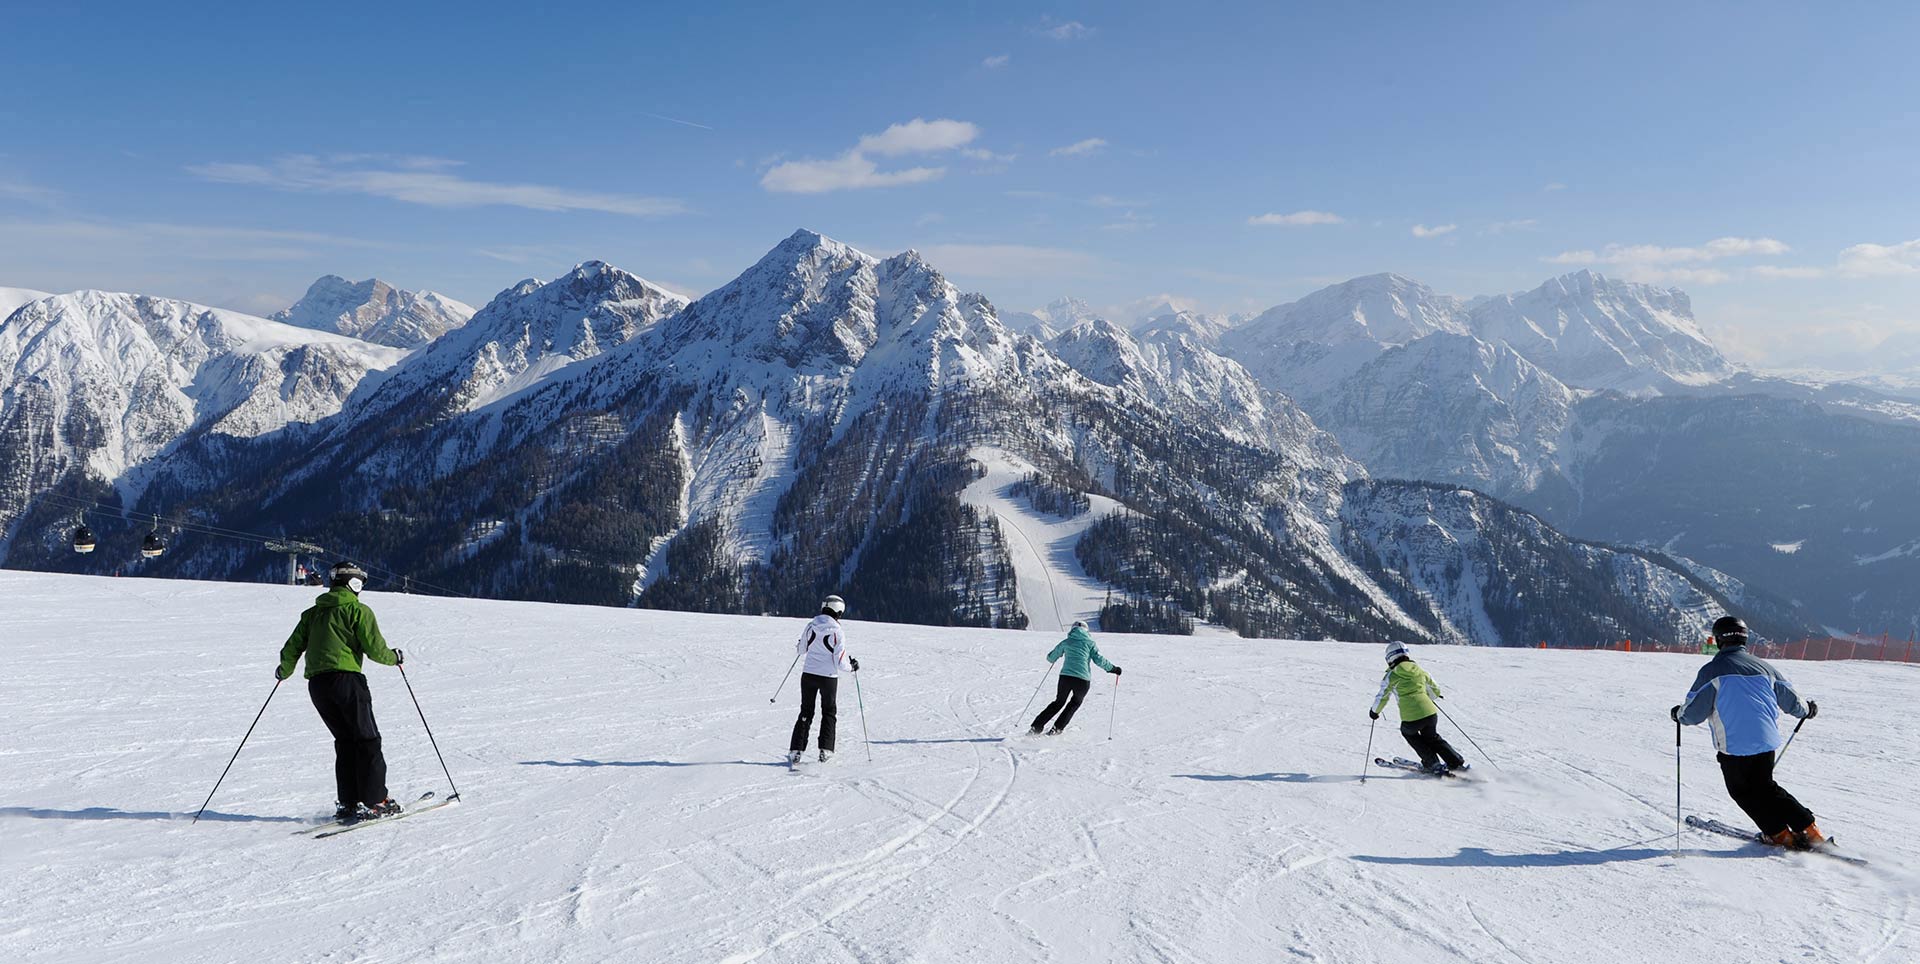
(827,690)
(1424,736)
(346,706)
(1067,697)
(1750,784)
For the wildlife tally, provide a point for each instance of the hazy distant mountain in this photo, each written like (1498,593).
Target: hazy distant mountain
(375,311)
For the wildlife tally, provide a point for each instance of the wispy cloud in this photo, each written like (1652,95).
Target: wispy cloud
(674,120)
(1077,148)
(1520,224)
(1062,30)
(423,180)
(1881,260)
(16,189)
(982,154)
(1553,186)
(1653,254)
(1789,272)
(1296,219)
(1011,261)
(1129,221)
(855,169)
(997,61)
(1422,231)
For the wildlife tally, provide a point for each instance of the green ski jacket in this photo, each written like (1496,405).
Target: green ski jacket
(335,634)
(1078,647)
(1412,684)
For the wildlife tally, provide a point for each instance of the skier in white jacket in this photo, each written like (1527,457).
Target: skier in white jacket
(824,645)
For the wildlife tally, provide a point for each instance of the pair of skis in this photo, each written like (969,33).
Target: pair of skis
(1415,766)
(1728,830)
(334,828)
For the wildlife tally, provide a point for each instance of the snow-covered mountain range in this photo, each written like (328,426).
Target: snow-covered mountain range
(375,311)
(818,423)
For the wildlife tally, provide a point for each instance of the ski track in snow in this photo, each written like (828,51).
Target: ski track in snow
(624,799)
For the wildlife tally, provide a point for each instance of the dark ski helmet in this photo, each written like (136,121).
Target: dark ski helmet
(1730,631)
(349,575)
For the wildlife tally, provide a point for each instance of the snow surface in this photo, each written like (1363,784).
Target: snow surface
(1051,584)
(623,800)
(12,298)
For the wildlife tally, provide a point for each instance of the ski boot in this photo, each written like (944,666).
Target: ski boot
(346,813)
(1784,838)
(1053,731)
(1034,730)
(1438,769)
(1810,838)
(385,808)
(826,755)
(793,758)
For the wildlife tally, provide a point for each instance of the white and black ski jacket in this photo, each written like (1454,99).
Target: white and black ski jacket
(823,646)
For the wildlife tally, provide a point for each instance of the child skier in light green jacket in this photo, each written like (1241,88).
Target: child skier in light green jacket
(1419,717)
(1075,677)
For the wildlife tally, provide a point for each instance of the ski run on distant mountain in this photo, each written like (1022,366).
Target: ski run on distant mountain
(1574,463)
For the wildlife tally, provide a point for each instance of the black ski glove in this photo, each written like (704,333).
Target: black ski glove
(1373,714)
(1675,712)
(399,658)
(853,663)
(1116,671)
(1813,710)
(277,674)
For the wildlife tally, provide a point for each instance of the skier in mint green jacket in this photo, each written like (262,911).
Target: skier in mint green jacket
(1419,717)
(1075,677)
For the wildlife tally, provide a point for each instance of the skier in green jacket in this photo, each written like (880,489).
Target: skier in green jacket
(335,635)
(1075,678)
(1419,717)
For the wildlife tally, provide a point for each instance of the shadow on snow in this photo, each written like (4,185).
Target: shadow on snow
(578,762)
(1272,777)
(1480,857)
(110,813)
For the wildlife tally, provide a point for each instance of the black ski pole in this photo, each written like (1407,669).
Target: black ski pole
(423,723)
(1789,744)
(1367,761)
(236,751)
(862,698)
(783,679)
(1676,786)
(1469,736)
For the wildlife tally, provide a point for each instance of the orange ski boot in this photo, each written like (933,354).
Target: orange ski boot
(1811,837)
(1784,838)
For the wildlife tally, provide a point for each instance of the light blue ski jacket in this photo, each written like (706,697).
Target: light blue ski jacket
(1742,696)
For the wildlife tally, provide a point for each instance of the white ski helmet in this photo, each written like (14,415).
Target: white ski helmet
(834,605)
(1397,650)
(1080,624)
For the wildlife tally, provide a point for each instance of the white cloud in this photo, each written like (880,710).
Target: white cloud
(931,217)
(1109,201)
(1880,260)
(982,154)
(418,180)
(918,136)
(1554,186)
(1088,146)
(1422,231)
(1129,221)
(1521,224)
(997,61)
(1297,219)
(854,169)
(1069,30)
(28,192)
(1010,261)
(1774,272)
(1653,254)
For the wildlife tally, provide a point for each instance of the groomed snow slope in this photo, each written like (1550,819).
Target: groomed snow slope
(623,800)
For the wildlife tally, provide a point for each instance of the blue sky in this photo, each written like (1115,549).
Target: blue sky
(1766,157)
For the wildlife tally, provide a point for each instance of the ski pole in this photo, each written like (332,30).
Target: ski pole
(1789,744)
(861,697)
(423,723)
(1114,706)
(783,679)
(1469,736)
(1036,687)
(1368,759)
(236,751)
(1676,787)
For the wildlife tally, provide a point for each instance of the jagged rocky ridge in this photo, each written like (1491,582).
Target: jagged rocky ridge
(809,426)
(375,311)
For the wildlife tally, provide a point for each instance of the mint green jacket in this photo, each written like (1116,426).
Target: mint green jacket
(1077,649)
(335,634)
(1414,688)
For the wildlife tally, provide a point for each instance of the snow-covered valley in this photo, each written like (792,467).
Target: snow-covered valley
(623,799)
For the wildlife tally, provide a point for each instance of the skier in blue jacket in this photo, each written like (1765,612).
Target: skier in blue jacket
(1743,696)
(1075,677)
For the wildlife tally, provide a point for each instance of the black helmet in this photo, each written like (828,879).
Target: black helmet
(1730,631)
(349,575)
